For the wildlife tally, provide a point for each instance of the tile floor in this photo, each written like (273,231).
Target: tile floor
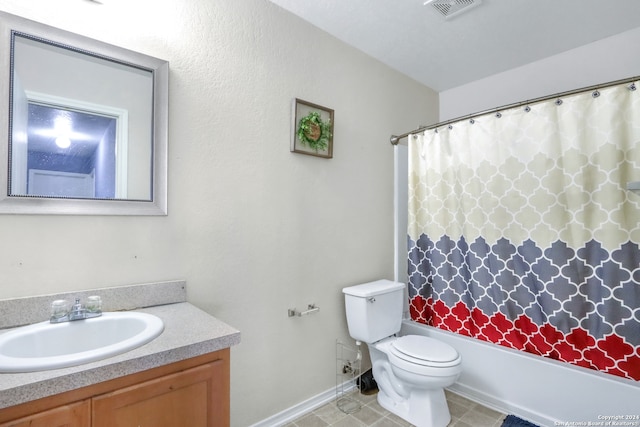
(464,413)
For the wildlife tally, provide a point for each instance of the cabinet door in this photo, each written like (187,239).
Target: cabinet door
(72,415)
(197,397)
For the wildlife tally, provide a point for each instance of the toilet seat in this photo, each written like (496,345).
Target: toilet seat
(424,351)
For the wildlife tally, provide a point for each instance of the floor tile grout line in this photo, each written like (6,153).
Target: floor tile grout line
(472,411)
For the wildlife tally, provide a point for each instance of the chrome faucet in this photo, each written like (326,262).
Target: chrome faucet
(60,311)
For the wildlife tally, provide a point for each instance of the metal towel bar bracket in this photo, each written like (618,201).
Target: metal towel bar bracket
(311,308)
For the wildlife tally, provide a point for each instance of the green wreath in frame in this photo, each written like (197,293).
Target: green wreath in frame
(314,132)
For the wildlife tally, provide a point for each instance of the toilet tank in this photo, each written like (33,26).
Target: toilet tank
(374,309)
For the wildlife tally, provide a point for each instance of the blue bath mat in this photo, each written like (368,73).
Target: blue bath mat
(513,421)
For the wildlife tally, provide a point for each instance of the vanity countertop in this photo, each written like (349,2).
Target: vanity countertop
(188,332)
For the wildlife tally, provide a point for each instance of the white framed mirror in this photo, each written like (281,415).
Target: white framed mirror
(84,124)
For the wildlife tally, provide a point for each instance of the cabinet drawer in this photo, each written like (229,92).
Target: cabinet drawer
(71,415)
(196,397)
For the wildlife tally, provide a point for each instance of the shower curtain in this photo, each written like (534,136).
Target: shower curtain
(521,231)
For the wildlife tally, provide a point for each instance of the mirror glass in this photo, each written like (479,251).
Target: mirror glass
(86,125)
(77,113)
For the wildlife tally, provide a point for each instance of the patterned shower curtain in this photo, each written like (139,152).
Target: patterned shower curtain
(522,233)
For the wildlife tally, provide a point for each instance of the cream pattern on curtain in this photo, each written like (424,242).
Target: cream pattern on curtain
(522,233)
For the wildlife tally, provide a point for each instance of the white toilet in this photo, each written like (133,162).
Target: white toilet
(411,371)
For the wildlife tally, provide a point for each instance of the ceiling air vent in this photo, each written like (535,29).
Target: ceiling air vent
(451,8)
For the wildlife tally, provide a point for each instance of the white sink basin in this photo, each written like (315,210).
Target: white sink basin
(45,346)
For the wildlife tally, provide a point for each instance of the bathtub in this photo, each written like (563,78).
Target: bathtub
(543,391)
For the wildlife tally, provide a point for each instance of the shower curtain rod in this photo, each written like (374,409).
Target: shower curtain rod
(395,139)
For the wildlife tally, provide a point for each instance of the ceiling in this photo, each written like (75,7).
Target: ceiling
(494,36)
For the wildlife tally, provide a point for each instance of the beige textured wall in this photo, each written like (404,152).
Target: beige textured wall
(598,62)
(253,228)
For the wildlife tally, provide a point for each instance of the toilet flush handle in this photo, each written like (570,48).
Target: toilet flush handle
(371,299)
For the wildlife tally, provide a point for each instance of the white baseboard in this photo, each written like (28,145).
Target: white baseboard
(302,408)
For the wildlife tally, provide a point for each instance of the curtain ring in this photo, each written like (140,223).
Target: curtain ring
(527,109)
(558,101)
(472,121)
(595,94)
(632,86)
(498,114)
(449,127)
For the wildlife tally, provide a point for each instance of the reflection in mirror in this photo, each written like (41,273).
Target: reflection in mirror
(69,154)
(87,125)
(93,88)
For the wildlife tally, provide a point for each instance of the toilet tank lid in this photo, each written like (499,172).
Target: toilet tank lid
(370,289)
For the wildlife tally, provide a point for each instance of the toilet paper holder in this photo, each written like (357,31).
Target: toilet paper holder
(311,308)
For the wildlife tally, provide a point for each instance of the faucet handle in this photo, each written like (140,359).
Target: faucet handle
(93,304)
(59,309)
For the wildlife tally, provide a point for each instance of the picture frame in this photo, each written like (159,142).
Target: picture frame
(312,129)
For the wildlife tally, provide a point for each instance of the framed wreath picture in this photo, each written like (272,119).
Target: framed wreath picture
(312,129)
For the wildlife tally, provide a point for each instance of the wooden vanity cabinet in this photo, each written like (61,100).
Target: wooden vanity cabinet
(193,392)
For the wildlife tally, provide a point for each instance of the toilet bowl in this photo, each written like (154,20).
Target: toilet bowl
(412,386)
(411,371)
(424,356)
